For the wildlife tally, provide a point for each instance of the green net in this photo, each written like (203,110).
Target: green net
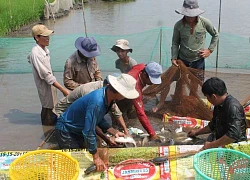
(151,45)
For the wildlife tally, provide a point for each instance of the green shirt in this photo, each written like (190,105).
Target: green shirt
(186,46)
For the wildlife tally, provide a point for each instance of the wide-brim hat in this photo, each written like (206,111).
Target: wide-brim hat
(125,85)
(88,46)
(122,44)
(154,71)
(190,8)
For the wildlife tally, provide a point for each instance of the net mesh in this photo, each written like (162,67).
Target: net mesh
(186,100)
(151,45)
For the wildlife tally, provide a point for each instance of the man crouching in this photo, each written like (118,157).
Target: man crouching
(75,128)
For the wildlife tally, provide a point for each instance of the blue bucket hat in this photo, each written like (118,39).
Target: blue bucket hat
(154,71)
(88,46)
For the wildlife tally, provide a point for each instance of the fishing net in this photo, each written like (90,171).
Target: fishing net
(186,100)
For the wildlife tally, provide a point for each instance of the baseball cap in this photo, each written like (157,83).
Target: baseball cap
(42,30)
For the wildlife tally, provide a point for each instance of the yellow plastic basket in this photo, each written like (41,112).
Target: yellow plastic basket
(44,165)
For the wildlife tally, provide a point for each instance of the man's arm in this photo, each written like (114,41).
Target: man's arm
(62,89)
(221,142)
(117,114)
(139,106)
(89,135)
(107,139)
(213,32)
(175,43)
(201,131)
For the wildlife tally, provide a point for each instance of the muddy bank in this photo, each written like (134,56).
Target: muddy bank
(25,30)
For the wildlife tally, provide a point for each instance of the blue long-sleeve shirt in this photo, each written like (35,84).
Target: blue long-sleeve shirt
(84,115)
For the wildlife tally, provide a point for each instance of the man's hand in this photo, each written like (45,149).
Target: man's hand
(205,53)
(208,145)
(100,166)
(65,92)
(174,62)
(111,141)
(119,134)
(192,133)
(154,138)
(155,109)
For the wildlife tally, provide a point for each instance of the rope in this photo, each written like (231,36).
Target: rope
(84,20)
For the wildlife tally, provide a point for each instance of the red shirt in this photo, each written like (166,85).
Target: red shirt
(138,103)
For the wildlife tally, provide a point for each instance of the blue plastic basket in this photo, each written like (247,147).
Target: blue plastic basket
(222,164)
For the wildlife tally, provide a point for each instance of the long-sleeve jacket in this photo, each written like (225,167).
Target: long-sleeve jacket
(78,70)
(187,46)
(229,119)
(43,76)
(84,115)
(138,103)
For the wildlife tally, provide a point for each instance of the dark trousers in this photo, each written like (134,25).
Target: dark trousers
(68,140)
(48,118)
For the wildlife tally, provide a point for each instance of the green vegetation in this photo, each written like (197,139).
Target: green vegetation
(119,0)
(15,13)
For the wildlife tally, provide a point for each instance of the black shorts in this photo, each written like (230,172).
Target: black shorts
(199,64)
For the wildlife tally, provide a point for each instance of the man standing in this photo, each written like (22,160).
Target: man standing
(75,128)
(82,67)
(46,82)
(125,62)
(189,37)
(228,122)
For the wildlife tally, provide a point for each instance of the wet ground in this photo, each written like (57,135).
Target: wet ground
(20,108)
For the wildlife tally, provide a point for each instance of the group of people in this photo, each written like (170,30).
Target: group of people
(79,116)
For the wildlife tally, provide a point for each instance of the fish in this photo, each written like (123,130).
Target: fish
(125,140)
(178,130)
(90,169)
(135,131)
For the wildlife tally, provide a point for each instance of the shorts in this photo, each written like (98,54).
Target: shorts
(199,65)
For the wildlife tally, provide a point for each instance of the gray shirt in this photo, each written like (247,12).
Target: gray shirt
(43,76)
(125,67)
(78,92)
(186,46)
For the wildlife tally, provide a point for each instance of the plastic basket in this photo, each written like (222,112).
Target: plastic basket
(221,163)
(44,165)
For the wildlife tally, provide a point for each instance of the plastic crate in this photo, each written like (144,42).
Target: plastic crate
(44,165)
(221,163)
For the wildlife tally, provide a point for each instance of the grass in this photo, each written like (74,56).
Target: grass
(15,13)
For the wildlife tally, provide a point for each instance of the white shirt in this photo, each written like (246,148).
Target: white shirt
(43,76)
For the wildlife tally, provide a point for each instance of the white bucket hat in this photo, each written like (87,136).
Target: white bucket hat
(190,8)
(125,85)
(123,44)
